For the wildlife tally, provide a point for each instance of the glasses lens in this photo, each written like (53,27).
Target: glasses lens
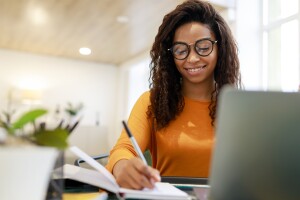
(204,47)
(180,51)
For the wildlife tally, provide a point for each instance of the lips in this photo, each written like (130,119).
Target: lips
(193,70)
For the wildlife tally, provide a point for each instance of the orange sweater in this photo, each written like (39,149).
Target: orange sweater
(183,148)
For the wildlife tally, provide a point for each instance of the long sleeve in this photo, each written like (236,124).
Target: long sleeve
(139,125)
(183,148)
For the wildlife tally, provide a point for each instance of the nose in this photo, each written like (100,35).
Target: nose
(193,56)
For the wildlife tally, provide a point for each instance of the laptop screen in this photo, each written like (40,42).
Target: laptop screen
(257,150)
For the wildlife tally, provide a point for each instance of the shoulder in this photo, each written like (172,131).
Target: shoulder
(144,97)
(141,106)
(143,100)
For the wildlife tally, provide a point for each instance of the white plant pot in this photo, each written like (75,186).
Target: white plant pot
(25,172)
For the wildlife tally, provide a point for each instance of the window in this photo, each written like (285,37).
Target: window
(281,44)
(138,82)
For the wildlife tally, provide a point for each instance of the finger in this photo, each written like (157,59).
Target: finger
(141,167)
(131,177)
(141,181)
(150,172)
(126,180)
(122,172)
(155,175)
(139,176)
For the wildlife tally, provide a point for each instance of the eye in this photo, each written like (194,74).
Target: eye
(202,49)
(203,46)
(180,49)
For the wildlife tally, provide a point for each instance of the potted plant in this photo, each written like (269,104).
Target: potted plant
(28,154)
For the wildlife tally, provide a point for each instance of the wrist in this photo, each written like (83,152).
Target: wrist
(117,168)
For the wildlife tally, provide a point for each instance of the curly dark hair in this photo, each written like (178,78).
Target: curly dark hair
(166,96)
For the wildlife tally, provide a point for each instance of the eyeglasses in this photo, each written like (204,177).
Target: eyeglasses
(203,47)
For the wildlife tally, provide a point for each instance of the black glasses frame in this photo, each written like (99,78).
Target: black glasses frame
(189,48)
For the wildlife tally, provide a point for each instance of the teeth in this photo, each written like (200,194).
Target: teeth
(195,69)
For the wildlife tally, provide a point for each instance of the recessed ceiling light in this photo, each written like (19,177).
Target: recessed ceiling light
(37,15)
(122,19)
(85,51)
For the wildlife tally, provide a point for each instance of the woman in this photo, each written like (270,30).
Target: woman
(193,56)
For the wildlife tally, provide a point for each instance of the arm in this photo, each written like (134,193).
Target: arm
(128,169)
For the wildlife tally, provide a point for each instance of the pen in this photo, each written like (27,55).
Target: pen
(134,143)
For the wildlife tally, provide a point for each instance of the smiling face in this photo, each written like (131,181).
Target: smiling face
(196,69)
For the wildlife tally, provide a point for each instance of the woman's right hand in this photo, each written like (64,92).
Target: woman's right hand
(134,174)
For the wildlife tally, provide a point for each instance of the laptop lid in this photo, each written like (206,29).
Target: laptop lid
(257,149)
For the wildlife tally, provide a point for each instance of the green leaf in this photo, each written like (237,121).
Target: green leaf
(53,138)
(71,112)
(28,117)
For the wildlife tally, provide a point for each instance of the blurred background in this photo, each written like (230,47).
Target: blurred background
(95,53)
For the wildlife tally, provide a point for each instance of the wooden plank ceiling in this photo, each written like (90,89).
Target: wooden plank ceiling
(61,27)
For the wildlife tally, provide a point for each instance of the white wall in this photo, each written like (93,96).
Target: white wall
(61,81)
(133,81)
(225,3)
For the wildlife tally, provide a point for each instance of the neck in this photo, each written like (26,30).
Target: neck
(201,91)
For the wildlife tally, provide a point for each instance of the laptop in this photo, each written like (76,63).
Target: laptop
(257,149)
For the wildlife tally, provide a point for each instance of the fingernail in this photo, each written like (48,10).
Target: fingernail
(157,176)
(152,182)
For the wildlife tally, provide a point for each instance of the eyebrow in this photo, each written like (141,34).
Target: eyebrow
(205,38)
